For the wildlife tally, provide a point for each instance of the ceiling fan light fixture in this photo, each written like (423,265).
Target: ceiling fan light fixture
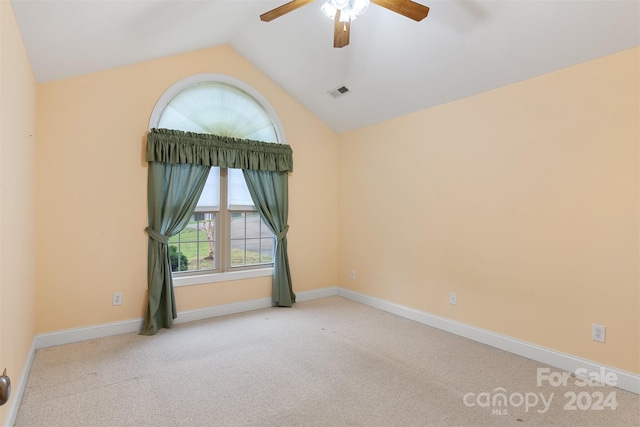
(349,9)
(340,4)
(359,6)
(329,10)
(348,15)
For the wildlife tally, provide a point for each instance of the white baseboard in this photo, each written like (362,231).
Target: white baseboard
(625,380)
(17,392)
(317,294)
(69,336)
(241,307)
(222,310)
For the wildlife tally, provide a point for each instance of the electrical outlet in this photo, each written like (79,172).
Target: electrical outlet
(352,274)
(453,298)
(117,298)
(598,332)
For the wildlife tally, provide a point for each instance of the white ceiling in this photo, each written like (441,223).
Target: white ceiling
(393,65)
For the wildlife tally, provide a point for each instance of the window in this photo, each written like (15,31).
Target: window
(225,233)
(222,236)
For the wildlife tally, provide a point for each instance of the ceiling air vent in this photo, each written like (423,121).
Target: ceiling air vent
(339,91)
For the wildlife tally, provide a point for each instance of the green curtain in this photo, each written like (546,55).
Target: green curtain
(175,146)
(173,193)
(270,194)
(179,163)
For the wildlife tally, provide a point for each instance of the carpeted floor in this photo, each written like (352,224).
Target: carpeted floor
(326,362)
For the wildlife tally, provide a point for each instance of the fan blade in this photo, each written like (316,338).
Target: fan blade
(281,10)
(408,8)
(340,31)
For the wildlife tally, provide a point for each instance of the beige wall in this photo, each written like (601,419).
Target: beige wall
(523,200)
(92,192)
(17,206)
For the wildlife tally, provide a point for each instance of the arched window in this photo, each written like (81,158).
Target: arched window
(225,233)
(219,105)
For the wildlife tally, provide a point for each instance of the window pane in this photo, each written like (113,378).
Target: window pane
(238,226)
(178,260)
(189,250)
(206,260)
(210,197)
(193,248)
(266,249)
(207,237)
(238,253)
(249,244)
(219,109)
(239,197)
(253,225)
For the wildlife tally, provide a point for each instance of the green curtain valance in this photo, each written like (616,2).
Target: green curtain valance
(179,147)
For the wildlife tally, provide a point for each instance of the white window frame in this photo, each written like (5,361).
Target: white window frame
(199,278)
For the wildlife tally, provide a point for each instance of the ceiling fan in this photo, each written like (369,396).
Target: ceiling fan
(345,11)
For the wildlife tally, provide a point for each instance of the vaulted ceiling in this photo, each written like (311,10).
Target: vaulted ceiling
(393,65)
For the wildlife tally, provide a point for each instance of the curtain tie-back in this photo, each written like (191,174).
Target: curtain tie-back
(281,235)
(161,238)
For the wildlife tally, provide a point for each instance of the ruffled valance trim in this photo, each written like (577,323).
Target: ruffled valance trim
(175,146)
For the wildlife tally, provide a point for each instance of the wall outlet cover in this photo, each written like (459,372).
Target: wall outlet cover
(453,298)
(598,332)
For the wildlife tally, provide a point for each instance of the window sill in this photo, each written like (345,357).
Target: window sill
(201,279)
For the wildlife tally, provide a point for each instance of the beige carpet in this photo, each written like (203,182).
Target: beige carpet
(327,362)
